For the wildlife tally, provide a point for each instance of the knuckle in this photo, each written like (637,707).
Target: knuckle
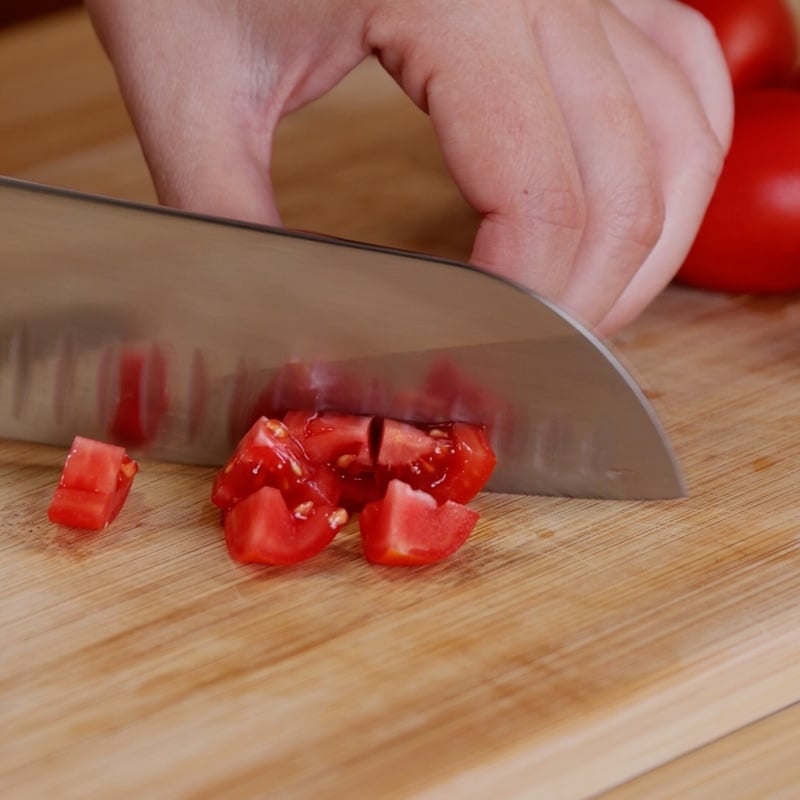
(636,215)
(561,207)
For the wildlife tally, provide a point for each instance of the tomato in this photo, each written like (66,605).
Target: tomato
(757,37)
(329,437)
(93,486)
(471,466)
(261,529)
(344,443)
(452,461)
(750,238)
(408,528)
(269,455)
(289,483)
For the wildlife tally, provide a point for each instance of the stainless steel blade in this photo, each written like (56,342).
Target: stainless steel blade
(244,317)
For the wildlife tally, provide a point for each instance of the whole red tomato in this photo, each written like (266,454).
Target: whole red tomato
(750,238)
(758,38)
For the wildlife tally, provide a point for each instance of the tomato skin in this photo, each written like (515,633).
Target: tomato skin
(408,528)
(750,238)
(261,529)
(268,455)
(94,484)
(757,38)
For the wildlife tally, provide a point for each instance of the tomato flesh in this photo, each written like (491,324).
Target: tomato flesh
(94,484)
(332,438)
(451,461)
(343,443)
(471,466)
(408,528)
(261,529)
(269,455)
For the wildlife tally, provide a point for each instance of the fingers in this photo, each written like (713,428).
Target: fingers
(621,182)
(589,134)
(689,140)
(589,153)
(184,78)
(688,37)
(480,76)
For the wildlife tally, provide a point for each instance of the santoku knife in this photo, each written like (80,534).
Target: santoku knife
(235,319)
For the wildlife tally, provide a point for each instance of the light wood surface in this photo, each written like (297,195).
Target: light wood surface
(760,760)
(572,648)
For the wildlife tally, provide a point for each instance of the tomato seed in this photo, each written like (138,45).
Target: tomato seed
(277,428)
(338,518)
(304,509)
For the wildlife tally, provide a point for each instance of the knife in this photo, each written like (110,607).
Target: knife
(230,319)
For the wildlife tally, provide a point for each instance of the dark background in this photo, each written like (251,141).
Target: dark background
(13,11)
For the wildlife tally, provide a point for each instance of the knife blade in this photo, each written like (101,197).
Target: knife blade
(234,317)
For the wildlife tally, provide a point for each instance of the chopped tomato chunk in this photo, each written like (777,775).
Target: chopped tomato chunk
(328,437)
(269,455)
(343,443)
(408,527)
(452,461)
(289,483)
(262,529)
(94,485)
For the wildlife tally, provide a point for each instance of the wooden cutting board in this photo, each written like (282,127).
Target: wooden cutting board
(569,648)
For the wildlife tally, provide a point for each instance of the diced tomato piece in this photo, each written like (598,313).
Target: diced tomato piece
(269,455)
(452,461)
(471,464)
(408,528)
(94,485)
(261,529)
(342,442)
(403,444)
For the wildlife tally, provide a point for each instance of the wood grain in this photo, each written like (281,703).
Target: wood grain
(572,646)
(766,751)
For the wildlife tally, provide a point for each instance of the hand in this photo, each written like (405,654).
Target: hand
(589,134)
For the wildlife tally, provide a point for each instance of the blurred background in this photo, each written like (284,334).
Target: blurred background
(13,11)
